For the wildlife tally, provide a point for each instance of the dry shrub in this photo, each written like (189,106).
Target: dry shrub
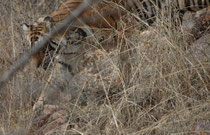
(167,92)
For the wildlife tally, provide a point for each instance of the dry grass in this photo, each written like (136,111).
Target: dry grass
(168,90)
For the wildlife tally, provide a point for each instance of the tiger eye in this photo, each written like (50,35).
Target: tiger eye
(31,27)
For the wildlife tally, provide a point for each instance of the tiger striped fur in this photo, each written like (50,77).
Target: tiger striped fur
(145,10)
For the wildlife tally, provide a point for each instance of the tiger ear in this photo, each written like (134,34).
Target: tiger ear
(48,21)
(48,18)
(25,27)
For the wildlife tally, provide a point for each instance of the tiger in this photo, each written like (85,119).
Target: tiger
(106,24)
(145,10)
(35,32)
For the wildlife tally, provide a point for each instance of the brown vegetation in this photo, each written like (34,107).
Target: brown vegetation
(168,91)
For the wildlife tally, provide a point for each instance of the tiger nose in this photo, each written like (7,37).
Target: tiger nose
(34,39)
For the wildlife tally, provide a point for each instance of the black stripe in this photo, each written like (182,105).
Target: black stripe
(199,3)
(81,32)
(137,8)
(141,15)
(37,33)
(130,9)
(75,2)
(68,53)
(178,6)
(145,5)
(151,9)
(70,5)
(205,3)
(53,42)
(91,28)
(159,4)
(51,47)
(193,2)
(145,8)
(187,5)
(68,66)
(112,17)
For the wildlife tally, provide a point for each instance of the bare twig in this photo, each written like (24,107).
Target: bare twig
(40,45)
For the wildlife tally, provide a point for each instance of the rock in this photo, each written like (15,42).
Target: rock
(202,128)
(53,121)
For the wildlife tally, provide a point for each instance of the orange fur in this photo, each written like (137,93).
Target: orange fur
(106,22)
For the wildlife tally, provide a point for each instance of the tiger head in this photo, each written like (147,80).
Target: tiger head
(35,33)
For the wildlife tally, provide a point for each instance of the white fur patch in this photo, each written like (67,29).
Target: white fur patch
(25,27)
(41,19)
(63,42)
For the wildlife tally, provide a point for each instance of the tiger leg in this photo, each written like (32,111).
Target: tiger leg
(60,84)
